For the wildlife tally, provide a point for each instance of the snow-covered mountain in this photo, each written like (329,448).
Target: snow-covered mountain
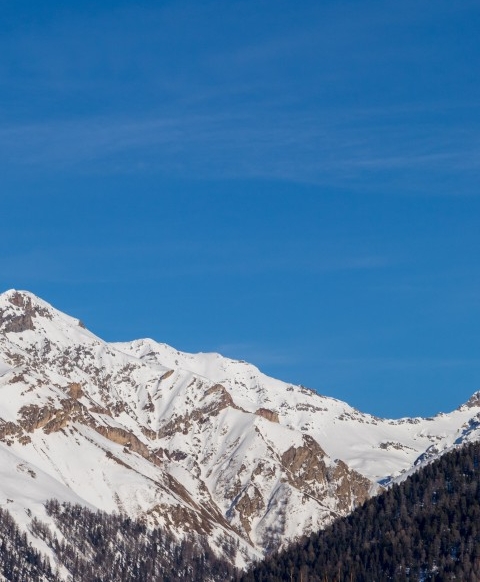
(192,442)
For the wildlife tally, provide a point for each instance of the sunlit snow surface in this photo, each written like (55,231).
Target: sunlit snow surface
(198,415)
(376,447)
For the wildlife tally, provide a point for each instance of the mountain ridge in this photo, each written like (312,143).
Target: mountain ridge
(191,442)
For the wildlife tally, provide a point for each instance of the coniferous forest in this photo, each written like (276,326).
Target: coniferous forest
(18,560)
(426,528)
(102,547)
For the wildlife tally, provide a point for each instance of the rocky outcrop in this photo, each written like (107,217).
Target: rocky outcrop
(221,399)
(75,390)
(167,374)
(129,440)
(307,471)
(9,431)
(473,401)
(213,401)
(270,415)
(350,488)
(306,462)
(34,417)
(249,504)
(48,418)
(14,321)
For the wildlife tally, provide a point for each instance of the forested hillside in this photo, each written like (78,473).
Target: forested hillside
(426,528)
(100,547)
(18,560)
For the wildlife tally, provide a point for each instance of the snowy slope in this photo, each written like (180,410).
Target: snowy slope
(377,448)
(194,442)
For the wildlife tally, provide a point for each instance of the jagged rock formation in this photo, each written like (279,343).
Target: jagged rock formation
(197,444)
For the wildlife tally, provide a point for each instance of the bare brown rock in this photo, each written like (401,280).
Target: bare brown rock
(17,378)
(307,471)
(33,417)
(75,390)
(97,409)
(305,463)
(249,505)
(351,488)
(222,399)
(167,374)
(473,401)
(50,419)
(9,429)
(17,323)
(123,437)
(270,415)
(149,406)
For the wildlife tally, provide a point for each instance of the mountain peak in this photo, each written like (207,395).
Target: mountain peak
(19,309)
(22,311)
(10,294)
(23,299)
(473,401)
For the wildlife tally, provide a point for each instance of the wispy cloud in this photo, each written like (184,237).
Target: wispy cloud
(223,145)
(173,259)
(184,90)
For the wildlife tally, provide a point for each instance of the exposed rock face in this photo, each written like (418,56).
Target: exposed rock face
(351,488)
(270,415)
(17,323)
(249,505)
(305,463)
(221,399)
(48,418)
(128,439)
(214,400)
(167,374)
(75,390)
(308,471)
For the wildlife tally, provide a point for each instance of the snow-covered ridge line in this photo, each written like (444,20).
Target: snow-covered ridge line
(193,442)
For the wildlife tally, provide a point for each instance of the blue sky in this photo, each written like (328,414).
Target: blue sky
(293,184)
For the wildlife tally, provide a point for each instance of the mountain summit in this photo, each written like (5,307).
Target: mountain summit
(195,443)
